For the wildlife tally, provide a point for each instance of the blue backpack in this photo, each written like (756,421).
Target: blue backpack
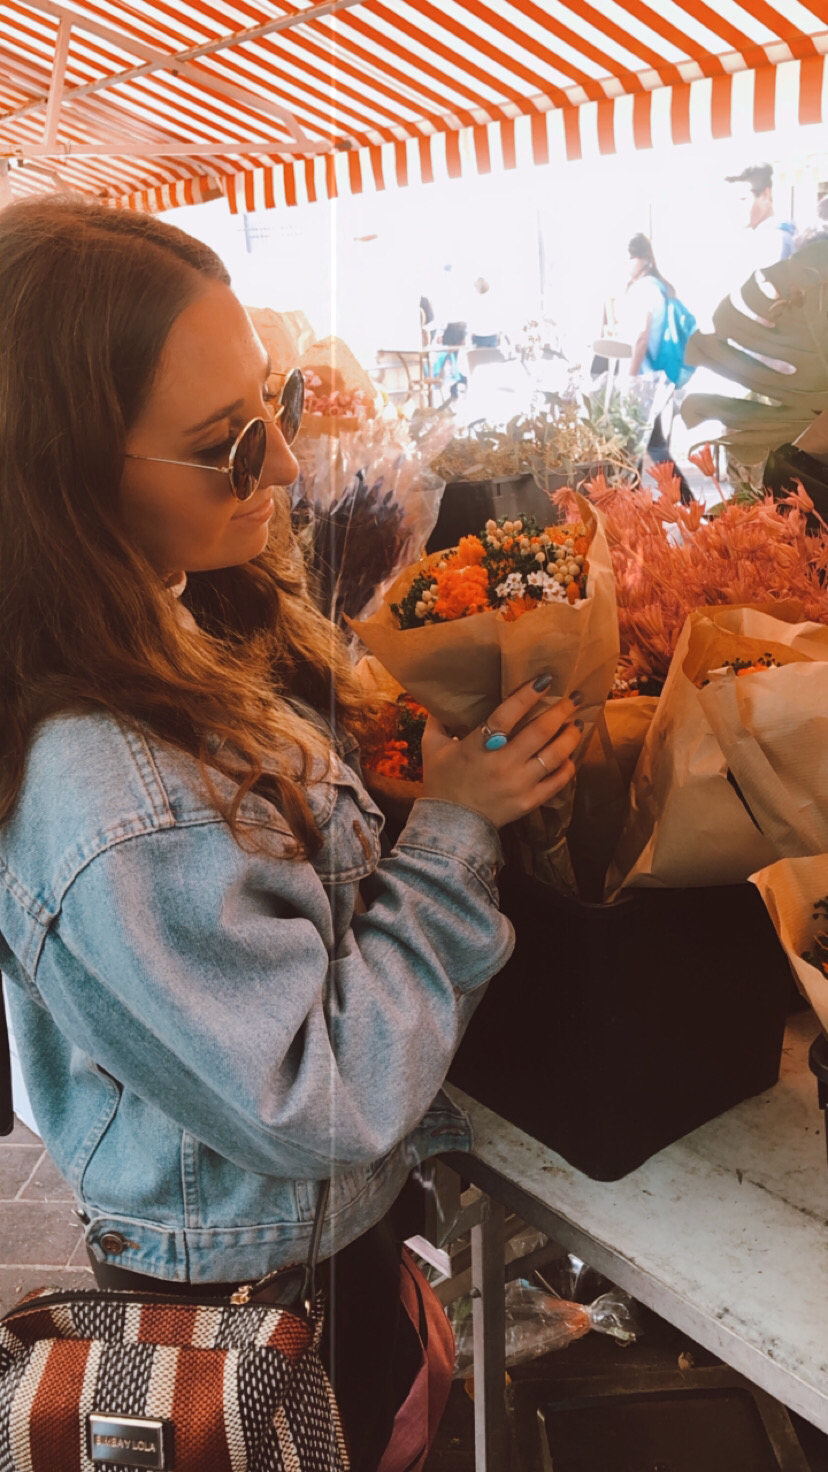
(679,324)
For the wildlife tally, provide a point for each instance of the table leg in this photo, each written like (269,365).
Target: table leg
(491,1431)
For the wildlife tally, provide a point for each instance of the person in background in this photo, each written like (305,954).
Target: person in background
(222,993)
(764,237)
(642,316)
(428,321)
(485,328)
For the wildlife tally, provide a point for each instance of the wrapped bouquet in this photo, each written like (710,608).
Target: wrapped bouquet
(364,506)
(463,628)
(690,823)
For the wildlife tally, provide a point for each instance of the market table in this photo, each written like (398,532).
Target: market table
(724,1234)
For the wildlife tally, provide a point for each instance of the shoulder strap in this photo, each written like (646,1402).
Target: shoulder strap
(6,1107)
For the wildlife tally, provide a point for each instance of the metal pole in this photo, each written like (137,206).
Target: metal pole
(56,86)
(491,1431)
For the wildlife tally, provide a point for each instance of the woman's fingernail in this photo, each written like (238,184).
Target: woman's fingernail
(578,724)
(577,697)
(542,683)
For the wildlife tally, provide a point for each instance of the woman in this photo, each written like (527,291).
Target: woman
(220,994)
(643,317)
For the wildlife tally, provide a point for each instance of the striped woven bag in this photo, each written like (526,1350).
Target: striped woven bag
(104,1379)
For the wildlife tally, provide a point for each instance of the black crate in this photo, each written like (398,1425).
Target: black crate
(702,1421)
(615,1029)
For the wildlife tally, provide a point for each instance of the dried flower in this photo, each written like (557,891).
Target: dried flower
(670,559)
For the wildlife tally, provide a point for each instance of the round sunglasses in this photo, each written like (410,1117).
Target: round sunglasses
(246,460)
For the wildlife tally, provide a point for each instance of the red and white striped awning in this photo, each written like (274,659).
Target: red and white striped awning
(157,103)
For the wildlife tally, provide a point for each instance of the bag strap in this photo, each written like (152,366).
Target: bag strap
(316,1238)
(6,1105)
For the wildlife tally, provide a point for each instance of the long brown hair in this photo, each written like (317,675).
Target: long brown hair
(88,295)
(640,249)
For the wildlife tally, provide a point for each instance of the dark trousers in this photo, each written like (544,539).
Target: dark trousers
(658,448)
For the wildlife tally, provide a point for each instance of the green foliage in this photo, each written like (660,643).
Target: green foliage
(779,353)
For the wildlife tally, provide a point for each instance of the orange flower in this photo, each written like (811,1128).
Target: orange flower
(461,591)
(518,607)
(596,487)
(665,477)
(573,592)
(703,460)
(394,761)
(470,552)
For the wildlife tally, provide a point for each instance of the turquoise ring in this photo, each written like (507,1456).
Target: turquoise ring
(493,740)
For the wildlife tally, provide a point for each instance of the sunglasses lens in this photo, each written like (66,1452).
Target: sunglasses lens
(292,402)
(249,459)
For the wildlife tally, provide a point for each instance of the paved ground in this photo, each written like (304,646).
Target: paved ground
(41,1242)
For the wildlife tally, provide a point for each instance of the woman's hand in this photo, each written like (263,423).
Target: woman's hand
(507,783)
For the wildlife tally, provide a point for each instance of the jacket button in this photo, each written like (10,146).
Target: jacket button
(113,1243)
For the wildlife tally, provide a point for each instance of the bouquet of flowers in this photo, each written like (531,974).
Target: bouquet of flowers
(461,629)
(728,776)
(669,560)
(556,443)
(712,610)
(511,567)
(364,506)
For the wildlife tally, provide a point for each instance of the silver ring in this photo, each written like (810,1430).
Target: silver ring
(542,762)
(493,740)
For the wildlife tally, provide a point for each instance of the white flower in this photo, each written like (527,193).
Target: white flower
(511,587)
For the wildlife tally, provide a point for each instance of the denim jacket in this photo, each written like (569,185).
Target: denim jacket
(209,1028)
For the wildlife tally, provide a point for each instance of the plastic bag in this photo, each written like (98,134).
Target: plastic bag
(364,507)
(624,410)
(537,1322)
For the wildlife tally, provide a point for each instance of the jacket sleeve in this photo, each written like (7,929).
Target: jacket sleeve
(215,991)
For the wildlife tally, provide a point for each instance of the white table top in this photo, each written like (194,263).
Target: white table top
(724,1234)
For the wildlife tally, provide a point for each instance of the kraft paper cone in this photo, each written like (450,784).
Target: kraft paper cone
(773,730)
(689,824)
(602,789)
(790,889)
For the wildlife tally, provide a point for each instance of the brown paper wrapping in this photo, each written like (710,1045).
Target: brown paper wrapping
(460,671)
(602,789)
(688,824)
(773,731)
(790,889)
